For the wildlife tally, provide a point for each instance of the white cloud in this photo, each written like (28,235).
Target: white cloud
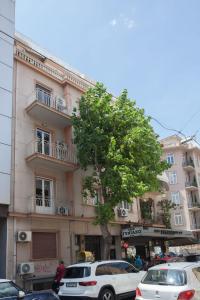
(123,20)
(113,22)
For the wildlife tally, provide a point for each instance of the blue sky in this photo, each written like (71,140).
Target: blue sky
(149,47)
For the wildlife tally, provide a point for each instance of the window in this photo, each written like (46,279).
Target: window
(170,158)
(125,205)
(44,194)
(43,140)
(115,269)
(172,177)
(77,272)
(43,95)
(92,200)
(44,245)
(178,219)
(175,198)
(103,269)
(8,289)
(165,277)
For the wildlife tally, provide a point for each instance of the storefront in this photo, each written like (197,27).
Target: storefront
(148,240)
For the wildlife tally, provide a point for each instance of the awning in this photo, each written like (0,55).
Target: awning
(144,234)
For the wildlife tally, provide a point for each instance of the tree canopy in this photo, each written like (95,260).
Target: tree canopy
(115,137)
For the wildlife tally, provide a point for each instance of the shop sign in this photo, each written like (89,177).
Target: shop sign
(129,232)
(155,232)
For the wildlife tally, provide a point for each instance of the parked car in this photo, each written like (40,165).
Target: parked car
(163,260)
(177,281)
(10,291)
(102,280)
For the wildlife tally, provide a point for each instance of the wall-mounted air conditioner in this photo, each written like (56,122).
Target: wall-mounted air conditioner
(123,212)
(61,210)
(26,268)
(24,236)
(61,104)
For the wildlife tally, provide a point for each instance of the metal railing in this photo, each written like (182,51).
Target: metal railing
(188,163)
(195,226)
(192,183)
(60,151)
(58,103)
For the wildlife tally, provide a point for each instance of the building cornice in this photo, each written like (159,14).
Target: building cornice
(63,77)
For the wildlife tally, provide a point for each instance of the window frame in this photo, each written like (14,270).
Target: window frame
(173,179)
(178,216)
(52,188)
(170,158)
(175,198)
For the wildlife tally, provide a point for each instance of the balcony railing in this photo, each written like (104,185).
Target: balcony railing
(193,204)
(58,103)
(47,205)
(189,184)
(188,163)
(195,226)
(60,151)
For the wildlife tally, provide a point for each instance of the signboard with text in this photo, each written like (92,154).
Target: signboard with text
(155,232)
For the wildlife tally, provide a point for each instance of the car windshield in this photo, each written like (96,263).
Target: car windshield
(165,277)
(77,272)
(7,289)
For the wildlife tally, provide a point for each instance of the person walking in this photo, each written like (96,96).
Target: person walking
(60,272)
(138,262)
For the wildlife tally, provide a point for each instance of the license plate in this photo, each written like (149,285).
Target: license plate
(71,284)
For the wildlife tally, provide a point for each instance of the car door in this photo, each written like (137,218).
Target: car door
(129,275)
(105,276)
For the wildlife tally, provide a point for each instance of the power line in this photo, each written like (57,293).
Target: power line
(169,129)
(190,119)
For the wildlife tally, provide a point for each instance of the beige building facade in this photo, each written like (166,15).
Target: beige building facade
(184,182)
(48,218)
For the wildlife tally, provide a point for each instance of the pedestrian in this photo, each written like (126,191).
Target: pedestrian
(138,262)
(60,271)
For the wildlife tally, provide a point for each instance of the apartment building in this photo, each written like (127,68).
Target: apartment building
(7,28)
(48,218)
(184,182)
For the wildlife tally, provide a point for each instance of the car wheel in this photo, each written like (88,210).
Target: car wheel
(106,294)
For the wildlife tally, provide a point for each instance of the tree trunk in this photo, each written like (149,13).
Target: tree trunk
(107,240)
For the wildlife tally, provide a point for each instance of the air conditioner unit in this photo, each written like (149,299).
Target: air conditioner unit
(26,268)
(61,104)
(61,210)
(24,236)
(123,212)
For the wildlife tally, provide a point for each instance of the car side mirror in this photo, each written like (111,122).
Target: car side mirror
(21,295)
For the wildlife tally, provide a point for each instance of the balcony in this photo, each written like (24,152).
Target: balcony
(195,227)
(193,201)
(47,206)
(188,165)
(191,185)
(51,155)
(49,109)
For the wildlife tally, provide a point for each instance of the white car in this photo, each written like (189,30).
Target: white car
(171,281)
(102,280)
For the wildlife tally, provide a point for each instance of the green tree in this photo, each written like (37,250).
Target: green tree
(115,137)
(166,207)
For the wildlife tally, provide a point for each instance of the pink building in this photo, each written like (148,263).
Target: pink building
(184,182)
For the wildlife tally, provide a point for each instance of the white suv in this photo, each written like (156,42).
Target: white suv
(171,281)
(102,280)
